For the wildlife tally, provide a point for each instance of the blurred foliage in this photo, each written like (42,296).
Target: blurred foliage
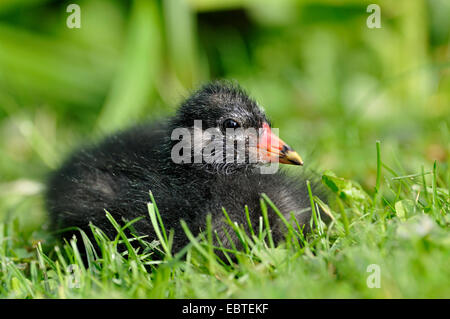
(332,85)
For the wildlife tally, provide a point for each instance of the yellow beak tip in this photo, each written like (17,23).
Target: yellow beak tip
(292,157)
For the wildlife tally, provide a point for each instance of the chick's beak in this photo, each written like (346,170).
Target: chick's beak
(272,149)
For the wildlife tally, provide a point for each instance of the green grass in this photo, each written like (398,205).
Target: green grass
(332,86)
(402,228)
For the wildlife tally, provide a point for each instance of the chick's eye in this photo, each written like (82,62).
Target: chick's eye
(229,123)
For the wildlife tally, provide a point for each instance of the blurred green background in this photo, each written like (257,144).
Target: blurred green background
(332,85)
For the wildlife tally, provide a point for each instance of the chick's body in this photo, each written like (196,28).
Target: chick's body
(117,174)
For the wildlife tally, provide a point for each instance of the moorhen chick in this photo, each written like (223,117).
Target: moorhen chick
(188,177)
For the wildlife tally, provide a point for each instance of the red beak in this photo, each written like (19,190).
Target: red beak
(272,149)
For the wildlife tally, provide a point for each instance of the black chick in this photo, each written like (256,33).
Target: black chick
(188,178)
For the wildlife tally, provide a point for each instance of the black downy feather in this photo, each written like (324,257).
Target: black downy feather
(117,174)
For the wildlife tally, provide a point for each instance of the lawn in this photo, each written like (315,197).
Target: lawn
(367,109)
